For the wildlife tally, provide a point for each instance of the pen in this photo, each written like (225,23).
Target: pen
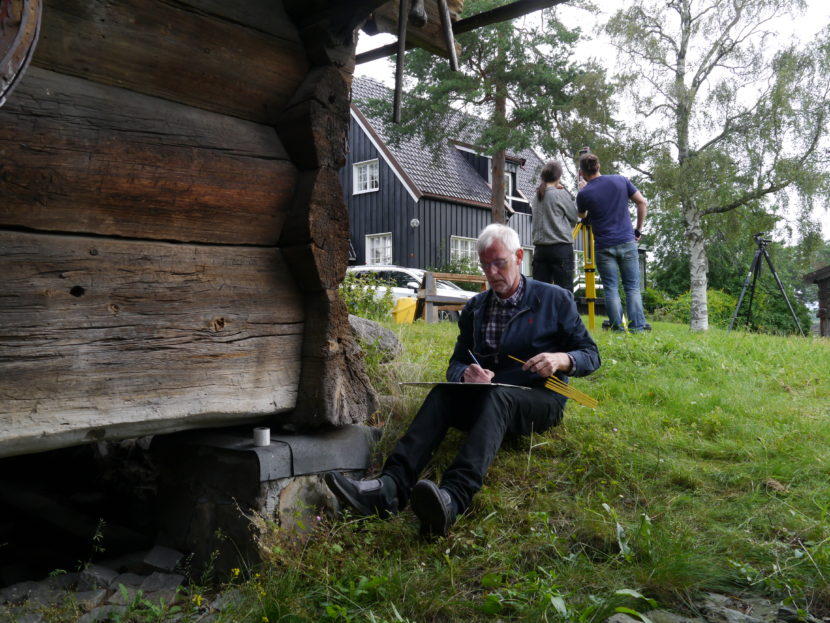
(475,361)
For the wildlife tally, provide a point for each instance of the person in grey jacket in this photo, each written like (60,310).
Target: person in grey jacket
(554,218)
(490,394)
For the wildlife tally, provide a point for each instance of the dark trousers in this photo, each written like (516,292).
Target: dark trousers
(487,413)
(554,263)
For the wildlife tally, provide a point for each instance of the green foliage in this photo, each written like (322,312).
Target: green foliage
(770,313)
(516,75)
(653,300)
(721,308)
(363,298)
(746,131)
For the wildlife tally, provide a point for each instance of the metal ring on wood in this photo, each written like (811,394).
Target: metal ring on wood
(19,32)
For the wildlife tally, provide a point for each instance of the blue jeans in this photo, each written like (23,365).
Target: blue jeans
(622,257)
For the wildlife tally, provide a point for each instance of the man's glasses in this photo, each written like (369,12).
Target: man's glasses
(497,264)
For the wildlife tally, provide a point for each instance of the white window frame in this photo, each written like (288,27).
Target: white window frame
(382,242)
(365,177)
(462,247)
(508,184)
(527,261)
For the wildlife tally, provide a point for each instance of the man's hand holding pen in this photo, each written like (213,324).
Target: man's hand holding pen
(476,374)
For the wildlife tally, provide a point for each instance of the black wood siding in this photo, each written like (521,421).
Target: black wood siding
(440,220)
(387,210)
(391,208)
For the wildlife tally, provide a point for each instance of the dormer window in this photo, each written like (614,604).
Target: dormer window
(366,178)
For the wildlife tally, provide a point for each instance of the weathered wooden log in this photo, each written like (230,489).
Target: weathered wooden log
(334,387)
(76,156)
(328,28)
(312,127)
(315,240)
(104,339)
(178,51)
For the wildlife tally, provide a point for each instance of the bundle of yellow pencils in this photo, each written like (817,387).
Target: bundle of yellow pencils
(554,383)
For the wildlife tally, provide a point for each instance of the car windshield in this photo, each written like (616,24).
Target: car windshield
(442,283)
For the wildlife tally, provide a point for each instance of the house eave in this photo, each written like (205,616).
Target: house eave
(386,154)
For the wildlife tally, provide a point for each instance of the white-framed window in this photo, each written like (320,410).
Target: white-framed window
(527,261)
(365,178)
(463,249)
(379,248)
(508,186)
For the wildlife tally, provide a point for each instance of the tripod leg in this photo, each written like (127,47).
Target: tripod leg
(743,289)
(758,265)
(781,287)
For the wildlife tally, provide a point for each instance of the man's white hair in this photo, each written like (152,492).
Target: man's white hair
(495,231)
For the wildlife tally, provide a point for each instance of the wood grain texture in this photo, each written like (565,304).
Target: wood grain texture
(183,52)
(331,354)
(430,36)
(80,157)
(104,338)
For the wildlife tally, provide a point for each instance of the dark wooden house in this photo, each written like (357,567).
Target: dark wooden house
(821,278)
(408,208)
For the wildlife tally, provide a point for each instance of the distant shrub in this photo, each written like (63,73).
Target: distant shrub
(770,313)
(363,298)
(654,299)
(721,307)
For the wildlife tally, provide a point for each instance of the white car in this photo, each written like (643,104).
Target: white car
(405,282)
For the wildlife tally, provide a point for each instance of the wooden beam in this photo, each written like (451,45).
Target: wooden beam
(500,14)
(429,37)
(403,19)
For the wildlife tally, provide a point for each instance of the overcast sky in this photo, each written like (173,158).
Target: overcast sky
(816,16)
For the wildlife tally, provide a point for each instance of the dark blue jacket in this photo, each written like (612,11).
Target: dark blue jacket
(547,322)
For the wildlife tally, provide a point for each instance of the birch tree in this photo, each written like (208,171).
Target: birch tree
(721,122)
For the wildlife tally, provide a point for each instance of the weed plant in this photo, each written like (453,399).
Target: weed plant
(366,296)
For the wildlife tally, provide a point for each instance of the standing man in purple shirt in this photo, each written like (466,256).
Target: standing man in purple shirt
(603,202)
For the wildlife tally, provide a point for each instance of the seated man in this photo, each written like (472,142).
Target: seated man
(530,320)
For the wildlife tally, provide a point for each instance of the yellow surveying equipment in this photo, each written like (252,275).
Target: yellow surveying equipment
(587,253)
(590,268)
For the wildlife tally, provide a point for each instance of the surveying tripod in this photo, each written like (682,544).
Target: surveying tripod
(754,271)
(590,268)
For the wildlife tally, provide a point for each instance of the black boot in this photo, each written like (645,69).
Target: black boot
(367,497)
(434,506)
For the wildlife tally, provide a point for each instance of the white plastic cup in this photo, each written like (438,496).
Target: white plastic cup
(262,436)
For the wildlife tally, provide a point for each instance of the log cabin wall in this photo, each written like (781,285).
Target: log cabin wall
(172,230)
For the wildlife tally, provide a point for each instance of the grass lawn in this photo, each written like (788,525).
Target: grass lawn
(705,467)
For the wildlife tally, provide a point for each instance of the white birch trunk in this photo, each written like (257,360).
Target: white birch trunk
(698,269)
